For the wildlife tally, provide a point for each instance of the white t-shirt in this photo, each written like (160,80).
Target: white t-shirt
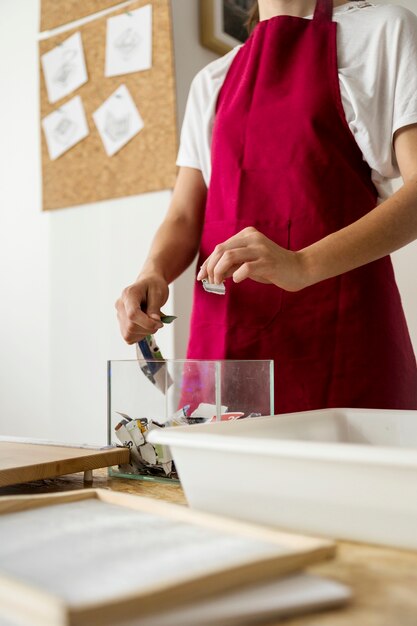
(377,60)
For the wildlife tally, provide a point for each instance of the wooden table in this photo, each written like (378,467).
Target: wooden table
(384,581)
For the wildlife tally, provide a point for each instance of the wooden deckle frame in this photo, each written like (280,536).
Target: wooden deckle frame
(85,173)
(288,553)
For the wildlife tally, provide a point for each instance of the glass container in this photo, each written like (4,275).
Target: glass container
(148,394)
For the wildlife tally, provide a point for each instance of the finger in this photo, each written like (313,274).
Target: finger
(246,270)
(135,316)
(221,252)
(202,273)
(130,331)
(211,261)
(155,300)
(230,261)
(143,321)
(242,239)
(133,337)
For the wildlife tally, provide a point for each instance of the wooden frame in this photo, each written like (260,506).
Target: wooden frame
(213,31)
(39,607)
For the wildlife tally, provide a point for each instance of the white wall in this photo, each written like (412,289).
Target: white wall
(24,232)
(95,250)
(61,271)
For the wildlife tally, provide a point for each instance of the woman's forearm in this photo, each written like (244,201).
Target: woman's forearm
(174,247)
(390,226)
(178,238)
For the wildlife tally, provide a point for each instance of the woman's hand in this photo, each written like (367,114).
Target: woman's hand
(250,254)
(139,307)
(173,249)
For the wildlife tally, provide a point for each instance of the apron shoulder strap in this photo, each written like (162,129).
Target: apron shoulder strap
(324,10)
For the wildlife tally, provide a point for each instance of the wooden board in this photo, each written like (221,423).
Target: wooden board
(23,462)
(85,173)
(54,14)
(245,553)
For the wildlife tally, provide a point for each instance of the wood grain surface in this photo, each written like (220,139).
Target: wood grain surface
(22,462)
(383,580)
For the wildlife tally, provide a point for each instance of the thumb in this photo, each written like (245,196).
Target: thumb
(154,302)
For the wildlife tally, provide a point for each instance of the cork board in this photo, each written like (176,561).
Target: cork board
(147,163)
(54,14)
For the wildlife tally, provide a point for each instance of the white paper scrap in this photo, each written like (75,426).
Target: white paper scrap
(129,42)
(65,127)
(117,120)
(64,68)
(208,411)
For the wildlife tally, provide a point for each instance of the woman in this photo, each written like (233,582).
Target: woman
(303,121)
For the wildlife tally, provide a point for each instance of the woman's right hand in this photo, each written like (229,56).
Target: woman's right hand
(173,248)
(139,307)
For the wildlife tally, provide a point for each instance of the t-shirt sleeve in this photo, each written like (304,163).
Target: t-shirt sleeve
(405,88)
(385,89)
(189,154)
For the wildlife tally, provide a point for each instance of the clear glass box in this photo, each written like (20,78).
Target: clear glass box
(148,394)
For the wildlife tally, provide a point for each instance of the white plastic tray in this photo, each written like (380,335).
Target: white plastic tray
(344,473)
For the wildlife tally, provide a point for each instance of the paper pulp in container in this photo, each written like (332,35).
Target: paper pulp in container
(343,473)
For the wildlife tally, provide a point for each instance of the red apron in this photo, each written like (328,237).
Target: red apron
(284,161)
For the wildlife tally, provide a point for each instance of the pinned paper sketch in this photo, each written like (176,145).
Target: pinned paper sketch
(129,42)
(65,127)
(117,120)
(64,68)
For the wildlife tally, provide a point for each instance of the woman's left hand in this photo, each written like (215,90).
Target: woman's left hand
(250,254)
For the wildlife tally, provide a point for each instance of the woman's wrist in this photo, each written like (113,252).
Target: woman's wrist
(154,269)
(306,269)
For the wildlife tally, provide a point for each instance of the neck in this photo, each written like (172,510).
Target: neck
(297,8)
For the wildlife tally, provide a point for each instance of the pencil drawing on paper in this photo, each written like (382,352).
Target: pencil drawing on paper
(127,43)
(65,127)
(116,128)
(65,130)
(118,120)
(66,69)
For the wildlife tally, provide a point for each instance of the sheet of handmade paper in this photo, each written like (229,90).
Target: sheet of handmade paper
(256,604)
(90,551)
